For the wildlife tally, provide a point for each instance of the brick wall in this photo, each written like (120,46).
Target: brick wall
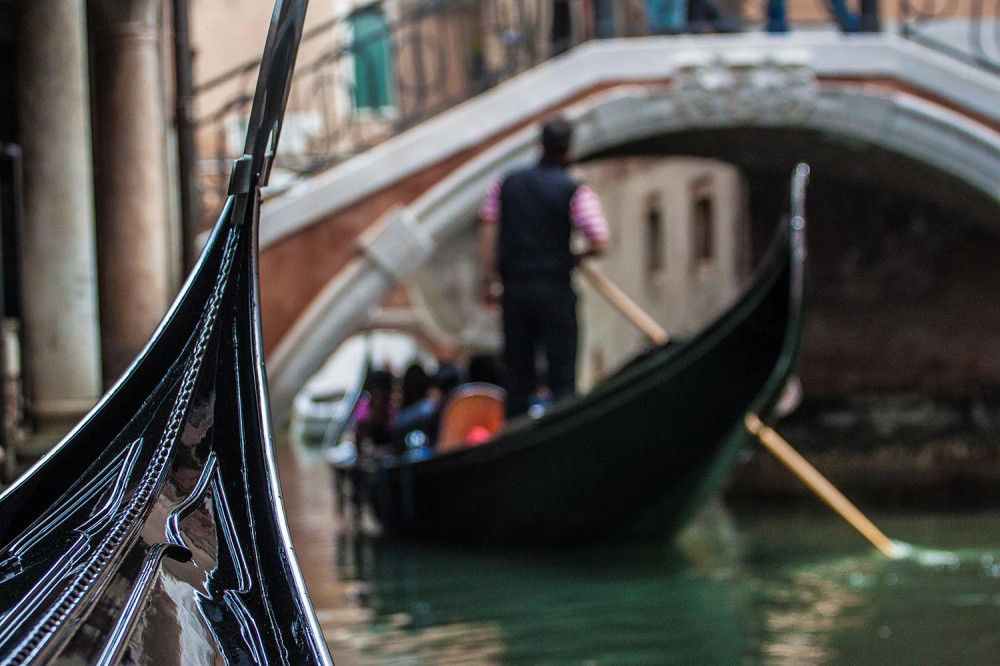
(902,297)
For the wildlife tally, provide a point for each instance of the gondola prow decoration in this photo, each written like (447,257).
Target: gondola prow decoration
(154,532)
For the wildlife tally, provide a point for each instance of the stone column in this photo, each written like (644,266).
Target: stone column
(134,250)
(58,269)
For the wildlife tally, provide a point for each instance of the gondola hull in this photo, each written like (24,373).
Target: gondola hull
(154,533)
(644,448)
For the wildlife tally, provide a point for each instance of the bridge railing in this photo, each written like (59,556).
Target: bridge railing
(367,75)
(968,30)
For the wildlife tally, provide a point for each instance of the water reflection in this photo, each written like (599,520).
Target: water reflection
(762,589)
(639,604)
(792,593)
(802,611)
(826,599)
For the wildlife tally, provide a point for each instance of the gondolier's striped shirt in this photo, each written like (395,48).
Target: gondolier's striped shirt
(584,210)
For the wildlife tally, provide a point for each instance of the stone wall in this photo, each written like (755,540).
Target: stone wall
(899,365)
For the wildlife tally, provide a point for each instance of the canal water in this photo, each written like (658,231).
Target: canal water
(739,587)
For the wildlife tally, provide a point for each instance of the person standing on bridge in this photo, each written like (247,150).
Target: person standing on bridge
(527,222)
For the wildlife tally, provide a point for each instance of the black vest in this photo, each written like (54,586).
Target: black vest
(535,223)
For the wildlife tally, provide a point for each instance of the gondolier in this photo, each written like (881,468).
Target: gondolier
(639,454)
(528,218)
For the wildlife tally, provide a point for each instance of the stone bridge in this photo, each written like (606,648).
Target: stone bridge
(859,107)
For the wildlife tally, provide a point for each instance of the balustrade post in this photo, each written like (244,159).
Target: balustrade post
(869,16)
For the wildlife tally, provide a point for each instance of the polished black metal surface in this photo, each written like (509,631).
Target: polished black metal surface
(154,532)
(640,452)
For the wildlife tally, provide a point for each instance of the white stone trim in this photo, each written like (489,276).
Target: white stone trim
(396,242)
(328,320)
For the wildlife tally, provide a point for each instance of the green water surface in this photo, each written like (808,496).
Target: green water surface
(752,589)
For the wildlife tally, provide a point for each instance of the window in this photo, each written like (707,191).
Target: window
(703,220)
(655,249)
(372,49)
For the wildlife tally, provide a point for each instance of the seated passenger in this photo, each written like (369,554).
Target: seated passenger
(539,402)
(486,369)
(414,387)
(375,415)
(424,415)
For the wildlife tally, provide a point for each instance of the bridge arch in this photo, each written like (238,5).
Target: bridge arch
(707,92)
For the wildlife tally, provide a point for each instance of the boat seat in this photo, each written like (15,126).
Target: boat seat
(472,414)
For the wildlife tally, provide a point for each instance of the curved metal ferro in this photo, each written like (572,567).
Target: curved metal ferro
(154,531)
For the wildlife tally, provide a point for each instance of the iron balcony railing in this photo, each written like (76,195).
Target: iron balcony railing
(372,73)
(366,76)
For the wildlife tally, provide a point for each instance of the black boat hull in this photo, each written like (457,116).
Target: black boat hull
(154,532)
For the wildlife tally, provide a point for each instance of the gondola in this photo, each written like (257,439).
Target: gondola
(154,532)
(636,455)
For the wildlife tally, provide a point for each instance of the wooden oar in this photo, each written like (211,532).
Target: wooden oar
(819,484)
(624,304)
(771,440)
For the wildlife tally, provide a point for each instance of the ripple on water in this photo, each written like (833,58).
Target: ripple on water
(777,589)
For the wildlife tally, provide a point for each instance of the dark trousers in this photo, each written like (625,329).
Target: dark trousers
(539,316)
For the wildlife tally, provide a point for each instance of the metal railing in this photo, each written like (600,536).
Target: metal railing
(365,76)
(963,29)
